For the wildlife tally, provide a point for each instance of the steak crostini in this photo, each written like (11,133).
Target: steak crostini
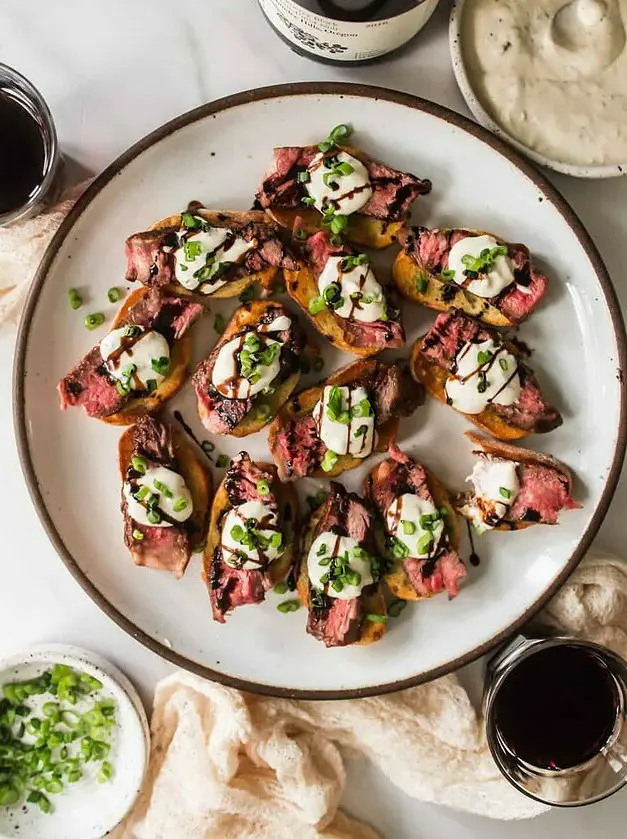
(165,495)
(420,526)
(337,289)
(334,426)
(514,488)
(251,371)
(209,253)
(140,364)
(474,272)
(252,532)
(339,573)
(481,374)
(341,188)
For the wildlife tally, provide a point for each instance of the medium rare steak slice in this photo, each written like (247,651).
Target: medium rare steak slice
(443,570)
(430,249)
(393,192)
(151,255)
(162,548)
(231,587)
(447,336)
(334,621)
(89,384)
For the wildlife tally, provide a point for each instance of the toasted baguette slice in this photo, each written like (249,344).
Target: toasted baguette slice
(303,404)
(397,579)
(218,218)
(287,502)
(361,229)
(180,357)
(417,283)
(248,315)
(196,476)
(373,603)
(520,455)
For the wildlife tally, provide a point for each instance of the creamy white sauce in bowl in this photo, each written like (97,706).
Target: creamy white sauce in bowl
(547,76)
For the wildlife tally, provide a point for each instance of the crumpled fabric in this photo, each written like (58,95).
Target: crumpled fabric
(238,766)
(22,246)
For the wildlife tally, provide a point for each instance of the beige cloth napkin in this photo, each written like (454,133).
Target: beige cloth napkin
(236,766)
(22,246)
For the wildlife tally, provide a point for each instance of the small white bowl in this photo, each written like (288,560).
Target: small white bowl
(87,809)
(483,117)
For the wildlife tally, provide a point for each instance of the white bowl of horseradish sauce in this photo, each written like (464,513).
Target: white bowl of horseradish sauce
(549,77)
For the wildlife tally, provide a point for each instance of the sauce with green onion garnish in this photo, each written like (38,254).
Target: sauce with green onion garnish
(338,180)
(348,286)
(156,496)
(481,265)
(56,729)
(206,254)
(496,487)
(249,363)
(483,373)
(138,358)
(339,566)
(345,420)
(414,526)
(251,536)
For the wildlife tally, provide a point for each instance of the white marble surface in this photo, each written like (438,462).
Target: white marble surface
(112,71)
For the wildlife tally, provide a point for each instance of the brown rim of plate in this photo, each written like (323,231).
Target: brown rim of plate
(316,89)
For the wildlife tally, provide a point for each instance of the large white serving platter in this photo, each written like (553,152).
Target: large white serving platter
(217,154)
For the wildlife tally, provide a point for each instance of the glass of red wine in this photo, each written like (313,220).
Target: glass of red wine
(30,160)
(556,724)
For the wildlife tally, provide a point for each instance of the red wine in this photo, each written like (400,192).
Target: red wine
(346,31)
(557,708)
(22,153)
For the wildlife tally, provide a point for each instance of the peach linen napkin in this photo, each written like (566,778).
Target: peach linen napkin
(234,765)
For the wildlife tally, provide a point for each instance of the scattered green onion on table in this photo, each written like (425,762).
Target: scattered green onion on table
(49,744)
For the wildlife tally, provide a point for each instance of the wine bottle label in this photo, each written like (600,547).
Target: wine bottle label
(343,40)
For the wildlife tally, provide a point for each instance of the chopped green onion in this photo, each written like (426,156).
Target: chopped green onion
(338,223)
(304,176)
(153,517)
(94,320)
(337,585)
(289,606)
(422,285)
(399,548)
(316,304)
(222,461)
(76,301)
(308,200)
(329,460)
(448,274)
(340,132)
(180,504)
(276,540)
(483,357)
(139,464)
(192,250)
(114,294)
(503,364)
(424,543)
(142,493)
(106,772)
(219,324)
(280,588)
(138,535)
(161,365)
(506,493)
(352,578)
(263,487)
(408,527)
(190,221)
(373,617)
(163,489)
